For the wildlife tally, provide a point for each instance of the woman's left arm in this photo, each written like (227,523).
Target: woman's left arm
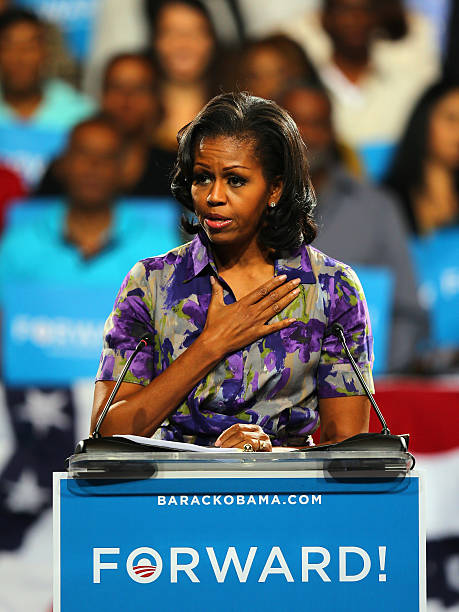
(343,417)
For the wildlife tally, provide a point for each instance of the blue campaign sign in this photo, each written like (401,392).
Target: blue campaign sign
(52,335)
(436,259)
(378,284)
(28,148)
(278,542)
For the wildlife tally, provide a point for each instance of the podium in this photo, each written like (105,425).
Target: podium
(330,530)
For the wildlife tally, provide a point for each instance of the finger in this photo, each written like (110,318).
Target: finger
(237,439)
(265,289)
(217,291)
(278,294)
(272,310)
(237,427)
(265,330)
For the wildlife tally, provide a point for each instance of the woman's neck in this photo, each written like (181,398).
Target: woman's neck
(24,104)
(436,202)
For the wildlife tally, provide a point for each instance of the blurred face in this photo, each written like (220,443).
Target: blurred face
(22,58)
(92,166)
(129,96)
(350,24)
(229,191)
(267,72)
(444,131)
(184,43)
(312,114)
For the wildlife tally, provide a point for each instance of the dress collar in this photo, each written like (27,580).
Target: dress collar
(295,265)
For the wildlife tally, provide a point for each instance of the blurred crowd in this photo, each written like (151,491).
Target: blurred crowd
(88,120)
(92,95)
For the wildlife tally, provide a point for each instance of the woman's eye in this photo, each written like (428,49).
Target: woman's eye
(201,179)
(236,181)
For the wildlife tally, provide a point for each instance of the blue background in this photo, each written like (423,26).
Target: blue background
(126,515)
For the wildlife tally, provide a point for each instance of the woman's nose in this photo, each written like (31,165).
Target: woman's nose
(217,194)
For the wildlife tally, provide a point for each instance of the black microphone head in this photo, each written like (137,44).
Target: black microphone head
(335,330)
(148,338)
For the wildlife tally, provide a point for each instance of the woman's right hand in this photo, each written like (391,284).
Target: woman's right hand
(229,327)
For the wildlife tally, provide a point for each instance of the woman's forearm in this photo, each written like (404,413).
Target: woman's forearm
(141,412)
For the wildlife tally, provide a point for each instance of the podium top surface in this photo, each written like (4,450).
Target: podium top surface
(148,464)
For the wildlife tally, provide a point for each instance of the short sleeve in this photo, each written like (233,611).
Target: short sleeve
(130,319)
(348,307)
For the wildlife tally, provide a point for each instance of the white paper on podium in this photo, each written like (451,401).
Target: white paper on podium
(178,446)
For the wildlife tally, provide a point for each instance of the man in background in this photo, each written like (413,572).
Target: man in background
(358,223)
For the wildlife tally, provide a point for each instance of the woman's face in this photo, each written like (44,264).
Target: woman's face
(444,131)
(229,191)
(184,43)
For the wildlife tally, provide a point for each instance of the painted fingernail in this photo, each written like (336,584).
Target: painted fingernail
(296,281)
(291,320)
(296,291)
(281,278)
(218,443)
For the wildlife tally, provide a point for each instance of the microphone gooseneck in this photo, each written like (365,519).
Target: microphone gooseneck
(337,330)
(144,341)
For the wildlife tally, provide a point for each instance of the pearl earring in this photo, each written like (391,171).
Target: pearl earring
(272,204)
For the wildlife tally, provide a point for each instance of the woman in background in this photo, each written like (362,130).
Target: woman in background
(184,46)
(425,170)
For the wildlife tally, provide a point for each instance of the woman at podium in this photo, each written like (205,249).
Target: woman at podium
(240,315)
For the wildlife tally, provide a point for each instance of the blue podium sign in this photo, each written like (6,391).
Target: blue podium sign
(280,541)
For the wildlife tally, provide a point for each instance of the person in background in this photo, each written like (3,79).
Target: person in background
(35,112)
(60,62)
(87,238)
(265,66)
(374,64)
(184,47)
(358,223)
(425,170)
(130,98)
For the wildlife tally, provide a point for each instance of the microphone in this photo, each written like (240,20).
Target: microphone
(337,330)
(145,340)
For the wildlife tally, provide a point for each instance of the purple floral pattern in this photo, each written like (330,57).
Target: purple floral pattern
(275,382)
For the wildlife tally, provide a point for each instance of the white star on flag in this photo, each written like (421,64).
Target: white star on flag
(45,410)
(26,495)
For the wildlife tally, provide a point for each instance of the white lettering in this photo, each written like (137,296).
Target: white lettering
(303,499)
(172,501)
(184,567)
(263,499)
(184,500)
(195,501)
(98,565)
(343,552)
(161,500)
(317,499)
(275,500)
(318,567)
(283,569)
(231,556)
(292,500)
(228,499)
(240,500)
(204,498)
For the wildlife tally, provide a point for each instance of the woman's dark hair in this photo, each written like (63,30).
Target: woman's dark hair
(406,173)
(281,152)
(153,10)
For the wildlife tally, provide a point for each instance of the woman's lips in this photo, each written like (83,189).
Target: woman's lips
(217,223)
